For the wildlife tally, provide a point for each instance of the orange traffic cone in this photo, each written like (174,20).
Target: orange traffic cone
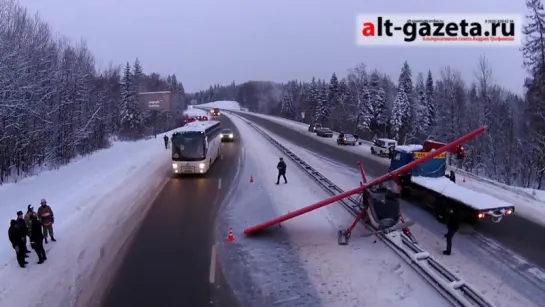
(251,179)
(231,237)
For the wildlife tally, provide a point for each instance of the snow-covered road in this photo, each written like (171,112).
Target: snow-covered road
(361,274)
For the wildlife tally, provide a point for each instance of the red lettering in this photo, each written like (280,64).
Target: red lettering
(368,29)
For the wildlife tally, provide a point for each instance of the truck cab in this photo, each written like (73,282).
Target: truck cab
(405,154)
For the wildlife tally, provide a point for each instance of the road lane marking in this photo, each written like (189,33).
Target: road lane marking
(212,277)
(219,184)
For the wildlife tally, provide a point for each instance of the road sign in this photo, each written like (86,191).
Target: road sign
(155,100)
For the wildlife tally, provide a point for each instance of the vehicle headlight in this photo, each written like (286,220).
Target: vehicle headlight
(174,165)
(231,135)
(221,135)
(201,166)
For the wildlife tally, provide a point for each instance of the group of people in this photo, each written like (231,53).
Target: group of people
(37,226)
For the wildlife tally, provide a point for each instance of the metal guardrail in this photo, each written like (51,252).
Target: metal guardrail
(452,287)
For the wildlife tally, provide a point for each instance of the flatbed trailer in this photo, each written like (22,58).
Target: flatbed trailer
(441,194)
(428,185)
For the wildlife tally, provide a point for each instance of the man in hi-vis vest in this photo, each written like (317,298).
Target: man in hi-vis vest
(45,214)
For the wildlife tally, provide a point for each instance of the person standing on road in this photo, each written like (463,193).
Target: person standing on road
(165,138)
(453,223)
(281,166)
(15,235)
(24,229)
(29,213)
(45,214)
(37,239)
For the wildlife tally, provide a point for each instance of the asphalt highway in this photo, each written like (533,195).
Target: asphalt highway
(172,260)
(516,233)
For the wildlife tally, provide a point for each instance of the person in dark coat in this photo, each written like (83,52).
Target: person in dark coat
(165,138)
(453,223)
(281,166)
(37,239)
(452,176)
(24,229)
(15,235)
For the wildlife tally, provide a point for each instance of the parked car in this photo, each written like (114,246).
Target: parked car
(347,139)
(324,132)
(314,127)
(383,147)
(190,120)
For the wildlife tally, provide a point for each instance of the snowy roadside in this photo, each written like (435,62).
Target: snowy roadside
(95,200)
(194,112)
(493,278)
(361,274)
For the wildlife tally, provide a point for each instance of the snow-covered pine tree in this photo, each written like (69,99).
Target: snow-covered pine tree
(323,110)
(381,118)
(533,52)
(324,97)
(377,104)
(346,108)
(399,113)
(364,107)
(430,103)
(406,82)
(137,77)
(312,98)
(131,115)
(288,108)
(421,124)
(333,92)
(358,84)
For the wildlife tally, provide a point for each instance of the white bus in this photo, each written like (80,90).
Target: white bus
(195,147)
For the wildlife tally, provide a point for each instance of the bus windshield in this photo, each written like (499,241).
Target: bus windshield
(188,146)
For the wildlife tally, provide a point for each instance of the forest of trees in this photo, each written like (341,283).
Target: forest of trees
(422,106)
(54,103)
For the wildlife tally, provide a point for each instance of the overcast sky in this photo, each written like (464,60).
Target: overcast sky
(206,42)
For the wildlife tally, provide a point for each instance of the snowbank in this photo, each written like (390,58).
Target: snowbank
(526,204)
(361,274)
(477,270)
(222,104)
(98,201)
(191,111)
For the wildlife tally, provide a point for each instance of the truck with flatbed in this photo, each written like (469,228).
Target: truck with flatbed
(431,186)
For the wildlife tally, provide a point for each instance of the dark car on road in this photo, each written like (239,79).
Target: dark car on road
(227,135)
(324,132)
(314,127)
(347,139)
